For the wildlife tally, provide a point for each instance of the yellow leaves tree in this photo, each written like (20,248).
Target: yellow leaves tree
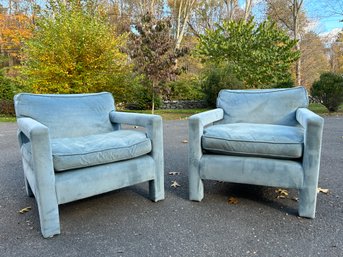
(75,51)
(336,54)
(14,29)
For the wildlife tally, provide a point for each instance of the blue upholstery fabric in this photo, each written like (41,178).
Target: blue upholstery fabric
(79,152)
(253,170)
(80,134)
(264,140)
(82,114)
(73,153)
(262,137)
(268,106)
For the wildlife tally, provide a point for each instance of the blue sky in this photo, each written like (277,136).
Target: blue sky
(325,15)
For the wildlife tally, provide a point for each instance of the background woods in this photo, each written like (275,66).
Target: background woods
(68,46)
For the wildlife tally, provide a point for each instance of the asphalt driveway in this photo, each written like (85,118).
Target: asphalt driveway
(126,223)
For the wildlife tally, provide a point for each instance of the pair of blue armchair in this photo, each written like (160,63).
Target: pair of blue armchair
(73,147)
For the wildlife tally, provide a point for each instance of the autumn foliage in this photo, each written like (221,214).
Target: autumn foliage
(74,50)
(14,29)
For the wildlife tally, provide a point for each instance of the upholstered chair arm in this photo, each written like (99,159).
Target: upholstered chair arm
(152,123)
(38,135)
(41,176)
(154,128)
(313,125)
(196,126)
(197,123)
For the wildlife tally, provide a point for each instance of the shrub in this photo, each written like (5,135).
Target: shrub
(217,78)
(8,89)
(141,97)
(187,87)
(329,90)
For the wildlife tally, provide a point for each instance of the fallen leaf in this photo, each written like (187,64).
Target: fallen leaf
(185,141)
(175,184)
(280,197)
(26,209)
(282,192)
(173,173)
(232,200)
(323,190)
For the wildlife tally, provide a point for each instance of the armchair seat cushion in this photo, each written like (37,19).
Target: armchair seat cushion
(262,140)
(79,152)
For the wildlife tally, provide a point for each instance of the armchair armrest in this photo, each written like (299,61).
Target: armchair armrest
(197,123)
(154,127)
(42,176)
(31,128)
(196,126)
(152,123)
(138,119)
(313,125)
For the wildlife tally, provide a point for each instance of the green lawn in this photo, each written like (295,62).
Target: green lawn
(321,109)
(6,118)
(172,114)
(185,113)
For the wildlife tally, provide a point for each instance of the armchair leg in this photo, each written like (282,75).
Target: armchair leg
(28,188)
(156,190)
(48,217)
(196,187)
(307,202)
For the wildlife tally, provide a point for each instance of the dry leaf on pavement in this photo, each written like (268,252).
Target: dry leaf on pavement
(185,141)
(26,209)
(323,190)
(232,200)
(175,184)
(281,192)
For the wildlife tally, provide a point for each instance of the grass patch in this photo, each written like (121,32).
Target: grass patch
(321,109)
(171,114)
(4,118)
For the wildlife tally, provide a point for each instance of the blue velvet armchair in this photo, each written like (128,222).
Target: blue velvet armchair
(73,147)
(263,137)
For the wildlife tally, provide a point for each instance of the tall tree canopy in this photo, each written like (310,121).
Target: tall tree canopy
(73,50)
(260,54)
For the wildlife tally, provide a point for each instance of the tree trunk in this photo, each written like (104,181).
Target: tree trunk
(247,11)
(298,67)
(153,98)
(296,7)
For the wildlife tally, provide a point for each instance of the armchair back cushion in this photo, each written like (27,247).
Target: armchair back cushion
(269,106)
(87,114)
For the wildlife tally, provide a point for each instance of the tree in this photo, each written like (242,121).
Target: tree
(313,59)
(181,10)
(329,90)
(260,54)
(152,50)
(336,54)
(290,14)
(15,27)
(73,50)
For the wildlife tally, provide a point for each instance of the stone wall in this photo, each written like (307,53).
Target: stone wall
(184,104)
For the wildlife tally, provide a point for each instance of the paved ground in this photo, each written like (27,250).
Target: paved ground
(125,223)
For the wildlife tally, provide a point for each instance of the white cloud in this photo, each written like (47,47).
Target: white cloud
(330,36)
(312,25)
